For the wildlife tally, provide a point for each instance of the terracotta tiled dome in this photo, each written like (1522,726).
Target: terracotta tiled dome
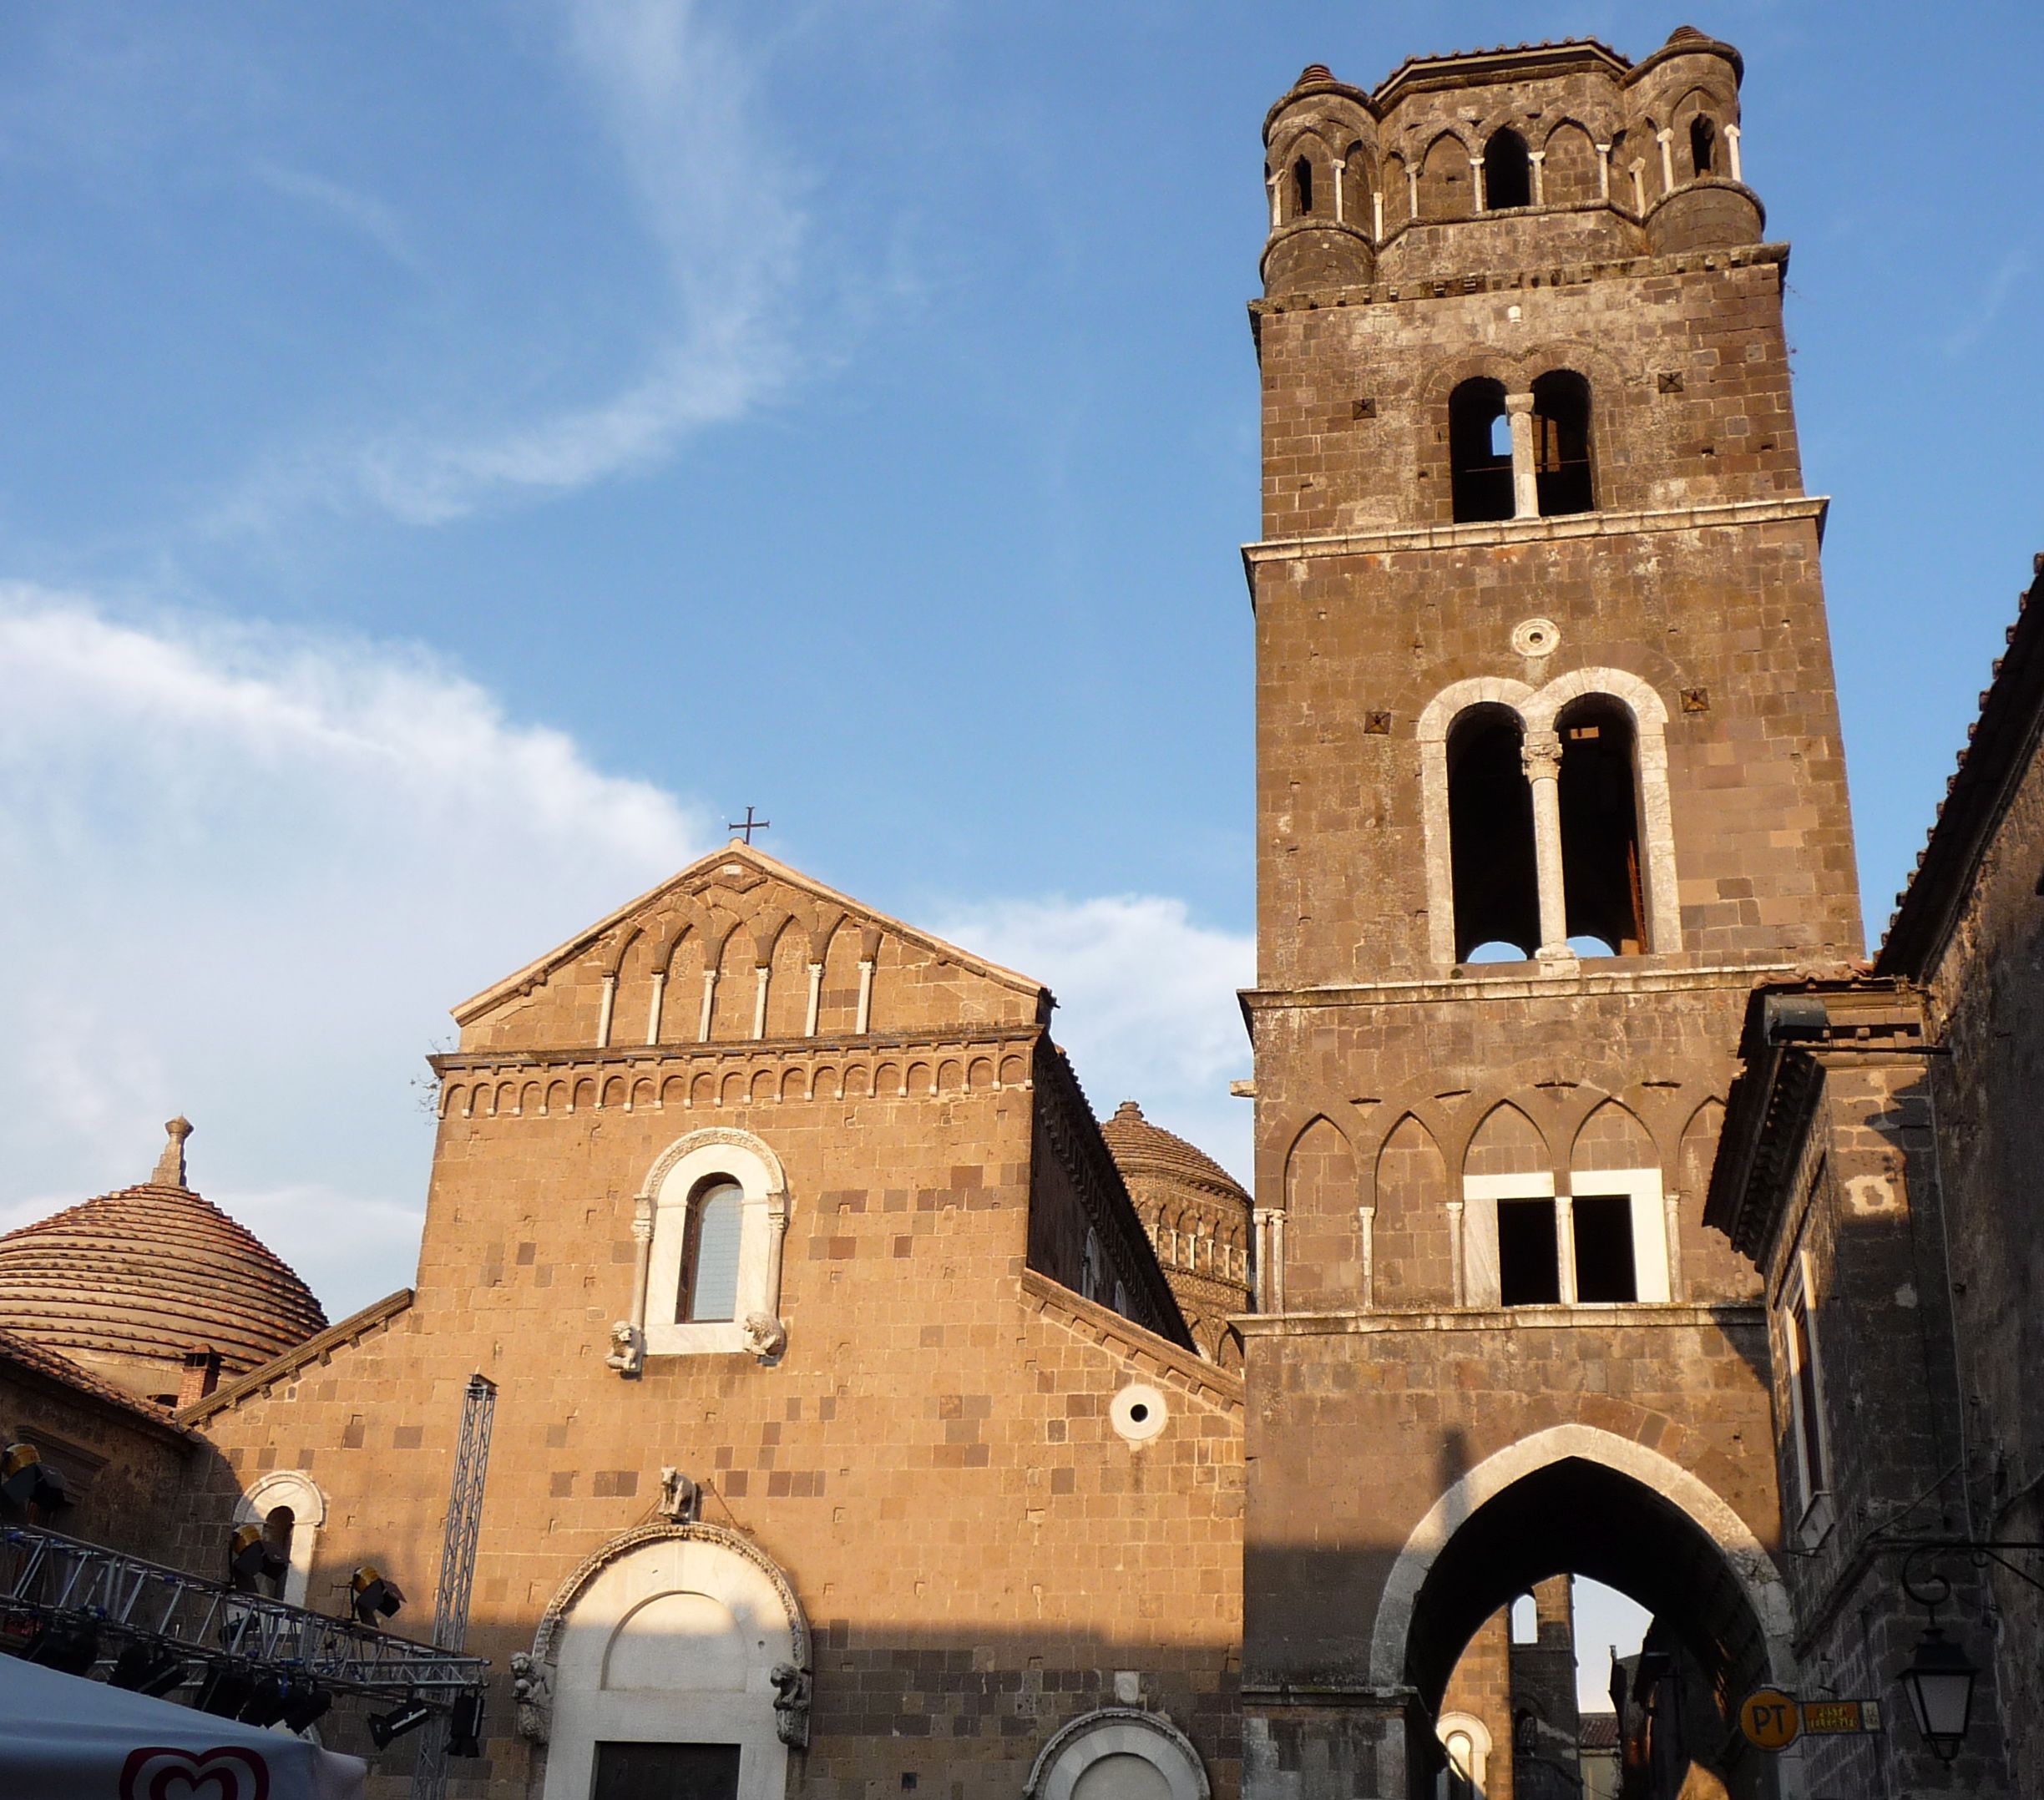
(145,1274)
(1141,1148)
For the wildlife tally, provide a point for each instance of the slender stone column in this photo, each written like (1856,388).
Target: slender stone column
(1670,1206)
(762,975)
(1412,191)
(1538,160)
(1565,1244)
(1603,152)
(1366,1222)
(1341,182)
(815,998)
(1476,183)
(603,1014)
(865,998)
(1458,1277)
(1731,150)
(1541,755)
(1666,139)
(1525,487)
(653,1008)
(709,1005)
(1377,214)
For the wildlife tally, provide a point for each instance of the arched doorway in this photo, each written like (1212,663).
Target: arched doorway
(676,1659)
(1576,1500)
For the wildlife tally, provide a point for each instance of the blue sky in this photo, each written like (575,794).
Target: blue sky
(457,456)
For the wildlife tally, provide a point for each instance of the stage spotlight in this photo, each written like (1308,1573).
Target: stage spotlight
(148,1669)
(27,1480)
(224,1691)
(373,1597)
(305,1704)
(465,1725)
(265,1703)
(65,1645)
(386,1727)
(250,1560)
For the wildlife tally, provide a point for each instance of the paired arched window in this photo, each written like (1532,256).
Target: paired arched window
(1490,814)
(707,1293)
(1547,819)
(1494,475)
(1508,172)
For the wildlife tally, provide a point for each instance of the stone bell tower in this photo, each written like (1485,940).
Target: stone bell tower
(1549,774)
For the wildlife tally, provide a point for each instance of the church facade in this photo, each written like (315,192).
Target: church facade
(874,1419)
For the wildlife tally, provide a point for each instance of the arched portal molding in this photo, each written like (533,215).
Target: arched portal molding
(1749,1565)
(534,1669)
(1117,1730)
(716,1137)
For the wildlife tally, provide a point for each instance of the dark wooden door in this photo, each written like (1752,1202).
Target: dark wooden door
(667,1771)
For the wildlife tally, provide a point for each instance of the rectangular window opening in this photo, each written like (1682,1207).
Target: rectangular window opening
(1807,1424)
(1529,1268)
(1605,1274)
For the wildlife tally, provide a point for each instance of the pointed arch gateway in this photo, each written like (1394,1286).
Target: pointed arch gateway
(1579,1499)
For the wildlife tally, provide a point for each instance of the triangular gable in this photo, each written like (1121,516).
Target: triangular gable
(743,884)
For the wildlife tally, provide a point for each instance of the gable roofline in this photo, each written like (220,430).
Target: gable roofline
(356,1326)
(37,1362)
(2001,745)
(524,980)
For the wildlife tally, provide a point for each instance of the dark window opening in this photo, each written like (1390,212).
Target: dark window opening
(1479,459)
(1806,1399)
(1529,1270)
(1302,186)
(1605,1272)
(708,1292)
(1494,875)
(1561,443)
(277,1528)
(1508,174)
(665,1771)
(1702,145)
(1602,896)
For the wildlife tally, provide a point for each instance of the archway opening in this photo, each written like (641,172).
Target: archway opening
(1702,145)
(1508,172)
(1496,885)
(1302,187)
(1603,892)
(1479,451)
(1562,477)
(1493,1635)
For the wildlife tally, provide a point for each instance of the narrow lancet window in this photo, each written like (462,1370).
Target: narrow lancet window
(1479,451)
(710,1262)
(1602,883)
(1496,884)
(1561,469)
(1303,187)
(1508,173)
(1702,145)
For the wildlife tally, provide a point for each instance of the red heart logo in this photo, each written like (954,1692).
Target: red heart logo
(229,1773)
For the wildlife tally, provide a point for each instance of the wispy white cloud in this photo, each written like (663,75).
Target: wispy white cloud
(1147,1005)
(362,214)
(687,114)
(1988,303)
(246,873)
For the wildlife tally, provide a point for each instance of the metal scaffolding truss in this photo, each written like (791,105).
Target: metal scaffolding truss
(48,1580)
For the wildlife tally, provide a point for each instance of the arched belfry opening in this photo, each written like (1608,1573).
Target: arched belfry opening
(1708,1647)
(1496,883)
(1702,145)
(1480,451)
(1562,468)
(1604,897)
(1302,187)
(1508,172)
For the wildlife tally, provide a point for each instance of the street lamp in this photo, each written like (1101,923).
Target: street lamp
(1939,1681)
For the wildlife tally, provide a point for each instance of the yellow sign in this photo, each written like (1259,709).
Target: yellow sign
(1825,1716)
(1770,1719)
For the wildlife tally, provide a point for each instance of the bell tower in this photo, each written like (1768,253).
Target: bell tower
(1549,774)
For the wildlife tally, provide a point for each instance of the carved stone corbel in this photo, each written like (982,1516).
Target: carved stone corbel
(765,1336)
(791,1688)
(534,1694)
(627,1349)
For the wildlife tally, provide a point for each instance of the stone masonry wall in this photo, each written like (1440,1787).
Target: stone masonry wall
(977,1552)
